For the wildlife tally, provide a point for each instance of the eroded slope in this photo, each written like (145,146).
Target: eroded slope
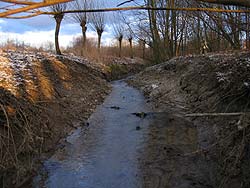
(211,83)
(42,97)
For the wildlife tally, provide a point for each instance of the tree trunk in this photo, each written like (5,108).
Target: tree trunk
(131,47)
(167,41)
(173,30)
(247,31)
(99,41)
(237,30)
(175,23)
(120,47)
(99,33)
(143,49)
(199,34)
(185,48)
(179,47)
(84,29)
(218,31)
(58,18)
(154,32)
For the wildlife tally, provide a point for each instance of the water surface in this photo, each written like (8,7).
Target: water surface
(106,153)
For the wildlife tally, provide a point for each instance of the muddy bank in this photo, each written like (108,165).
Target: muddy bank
(42,97)
(119,68)
(212,83)
(109,67)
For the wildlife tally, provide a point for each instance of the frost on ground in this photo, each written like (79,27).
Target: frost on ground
(42,98)
(210,83)
(24,69)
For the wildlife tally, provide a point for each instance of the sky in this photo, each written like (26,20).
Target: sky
(38,31)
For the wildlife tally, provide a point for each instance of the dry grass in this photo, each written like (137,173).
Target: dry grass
(41,97)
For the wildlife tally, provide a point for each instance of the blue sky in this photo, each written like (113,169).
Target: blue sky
(39,30)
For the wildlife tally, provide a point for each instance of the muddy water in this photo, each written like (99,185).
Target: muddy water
(105,154)
(121,150)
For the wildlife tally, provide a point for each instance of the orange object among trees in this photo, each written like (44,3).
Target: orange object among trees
(13,7)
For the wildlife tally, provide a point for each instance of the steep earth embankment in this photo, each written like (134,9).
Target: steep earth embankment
(213,84)
(42,98)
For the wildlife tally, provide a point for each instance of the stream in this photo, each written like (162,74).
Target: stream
(126,145)
(104,154)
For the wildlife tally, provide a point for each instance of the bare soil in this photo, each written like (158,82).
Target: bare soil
(43,98)
(207,151)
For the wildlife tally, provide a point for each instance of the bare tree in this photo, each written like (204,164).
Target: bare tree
(119,30)
(82,18)
(154,30)
(130,40)
(58,9)
(143,40)
(129,31)
(97,22)
(130,36)
(226,26)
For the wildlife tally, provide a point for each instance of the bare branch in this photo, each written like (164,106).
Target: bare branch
(245,3)
(22,17)
(125,2)
(19,2)
(80,17)
(30,7)
(198,9)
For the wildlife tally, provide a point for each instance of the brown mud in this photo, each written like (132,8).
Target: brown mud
(43,97)
(206,151)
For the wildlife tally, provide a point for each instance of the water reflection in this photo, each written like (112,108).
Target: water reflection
(103,155)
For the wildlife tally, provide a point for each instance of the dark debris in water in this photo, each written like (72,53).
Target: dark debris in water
(138,128)
(140,114)
(115,107)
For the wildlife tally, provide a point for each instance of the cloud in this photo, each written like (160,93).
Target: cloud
(40,38)
(2,21)
(37,38)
